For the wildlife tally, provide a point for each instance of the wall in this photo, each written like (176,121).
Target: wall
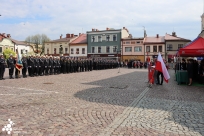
(80,46)
(6,43)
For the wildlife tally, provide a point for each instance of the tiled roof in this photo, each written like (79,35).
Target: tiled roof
(160,39)
(81,39)
(171,37)
(63,39)
(18,42)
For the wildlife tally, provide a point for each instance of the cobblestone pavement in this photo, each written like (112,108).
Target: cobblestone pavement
(100,103)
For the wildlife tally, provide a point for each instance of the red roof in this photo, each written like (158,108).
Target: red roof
(80,40)
(195,48)
(175,38)
(153,40)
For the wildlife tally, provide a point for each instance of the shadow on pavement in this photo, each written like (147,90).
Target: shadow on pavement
(175,108)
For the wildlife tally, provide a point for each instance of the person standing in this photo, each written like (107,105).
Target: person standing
(2,67)
(51,65)
(25,66)
(47,64)
(10,63)
(42,65)
(190,71)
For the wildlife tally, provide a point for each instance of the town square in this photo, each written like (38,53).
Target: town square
(101,103)
(101,68)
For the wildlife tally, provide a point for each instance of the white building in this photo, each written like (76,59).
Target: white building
(78,47)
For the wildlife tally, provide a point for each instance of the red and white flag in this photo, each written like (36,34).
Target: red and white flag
(160,66)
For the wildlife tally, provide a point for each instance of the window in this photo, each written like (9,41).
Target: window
(72,51)
(128,49)
(124,42)
(108,38)
(138,42)
(154,48)
(169,47)
(93,49)
(12,49)
(77,50)
(21,51)
(114,48)
(132,42)
(138,49)
(55,50)
(93,39)
(66,51)
(147,48)
(26,51)
(99,39)
(114,38)
(83,50)
(107,49)
(180,46)
(0,49)
(99,49)
(127,42)
(47,50)
(160,48)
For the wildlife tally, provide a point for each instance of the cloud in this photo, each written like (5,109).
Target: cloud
(22,18)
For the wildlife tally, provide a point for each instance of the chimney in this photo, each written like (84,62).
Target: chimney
(8,35)
(123,27)
(67,35)
(4,34)
(107,28)
(157,35)
(174,34)
(79,34)
(61,36)
(92,29)
(72,35)
(96,29)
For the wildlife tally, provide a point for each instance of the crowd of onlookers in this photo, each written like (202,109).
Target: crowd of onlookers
(194,68)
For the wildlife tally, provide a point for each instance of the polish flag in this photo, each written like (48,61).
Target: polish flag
(160,66)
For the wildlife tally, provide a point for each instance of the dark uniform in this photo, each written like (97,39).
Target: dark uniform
(37,65)
(42,66)
(2,67)
(11,66)
(47,64)
(55,66)
(31,66)
(51,65)
(68,65)
(58,65)
(25,66)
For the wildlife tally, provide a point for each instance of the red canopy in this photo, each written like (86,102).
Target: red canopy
(194,49)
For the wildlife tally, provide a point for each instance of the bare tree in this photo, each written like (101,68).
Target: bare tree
(38,40)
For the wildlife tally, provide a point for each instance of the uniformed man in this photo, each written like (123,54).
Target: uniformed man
(2,67)
(37,65)
(59,65)
(55,66)
(68,65)
(51,65)
(11,66)
(31,65)
(64,69)
(47,64)
(25,66)
(42,65)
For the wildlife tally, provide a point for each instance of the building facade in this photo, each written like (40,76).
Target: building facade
(132,49)
(60,46)
(105,43)
(6,42)
(173,44)
(78,47)
(152,46)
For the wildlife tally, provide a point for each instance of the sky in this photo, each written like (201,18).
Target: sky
(23,18)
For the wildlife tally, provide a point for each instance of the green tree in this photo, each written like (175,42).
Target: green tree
(38,40)
(8,52)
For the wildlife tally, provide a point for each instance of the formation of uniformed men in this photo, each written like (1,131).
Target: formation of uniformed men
(48,65)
